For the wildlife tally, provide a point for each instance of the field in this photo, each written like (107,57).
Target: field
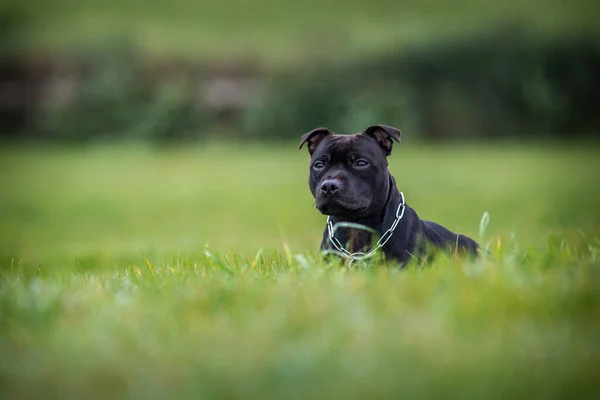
(131,272)
(275,32)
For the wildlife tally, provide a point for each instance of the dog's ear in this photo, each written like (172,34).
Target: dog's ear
(313,138)
(384,135)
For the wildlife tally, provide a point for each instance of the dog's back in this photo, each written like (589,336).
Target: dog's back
(442,237)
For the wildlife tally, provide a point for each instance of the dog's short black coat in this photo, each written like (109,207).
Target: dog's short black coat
(350,181)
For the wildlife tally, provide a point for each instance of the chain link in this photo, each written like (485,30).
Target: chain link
(359,256)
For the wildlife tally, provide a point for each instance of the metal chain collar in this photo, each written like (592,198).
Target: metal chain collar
(359,256)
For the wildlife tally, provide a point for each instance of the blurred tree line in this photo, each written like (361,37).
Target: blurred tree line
(506,83)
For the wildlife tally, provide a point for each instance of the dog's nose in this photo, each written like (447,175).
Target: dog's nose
(330,187)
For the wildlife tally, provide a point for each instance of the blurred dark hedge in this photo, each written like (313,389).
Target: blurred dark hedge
(506,83)
(112,97)
(503,84)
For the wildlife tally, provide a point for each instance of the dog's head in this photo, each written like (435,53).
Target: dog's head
(349,175)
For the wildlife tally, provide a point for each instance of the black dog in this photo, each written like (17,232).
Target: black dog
(351,183)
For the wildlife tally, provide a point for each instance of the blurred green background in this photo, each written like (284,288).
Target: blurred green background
(217,94)
(182,70)
(137,134)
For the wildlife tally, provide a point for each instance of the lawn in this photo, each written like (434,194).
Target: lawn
(274,32)
(132,272)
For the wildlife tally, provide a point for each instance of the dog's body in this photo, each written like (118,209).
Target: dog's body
(350,181)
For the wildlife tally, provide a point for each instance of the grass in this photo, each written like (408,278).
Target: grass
(276,32)
(107,288)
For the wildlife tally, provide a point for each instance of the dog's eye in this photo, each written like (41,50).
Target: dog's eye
(318,165)
(361,163)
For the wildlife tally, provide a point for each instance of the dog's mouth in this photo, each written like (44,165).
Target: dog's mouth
(338,207)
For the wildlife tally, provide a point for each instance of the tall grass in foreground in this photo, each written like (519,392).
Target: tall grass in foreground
(521,322)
